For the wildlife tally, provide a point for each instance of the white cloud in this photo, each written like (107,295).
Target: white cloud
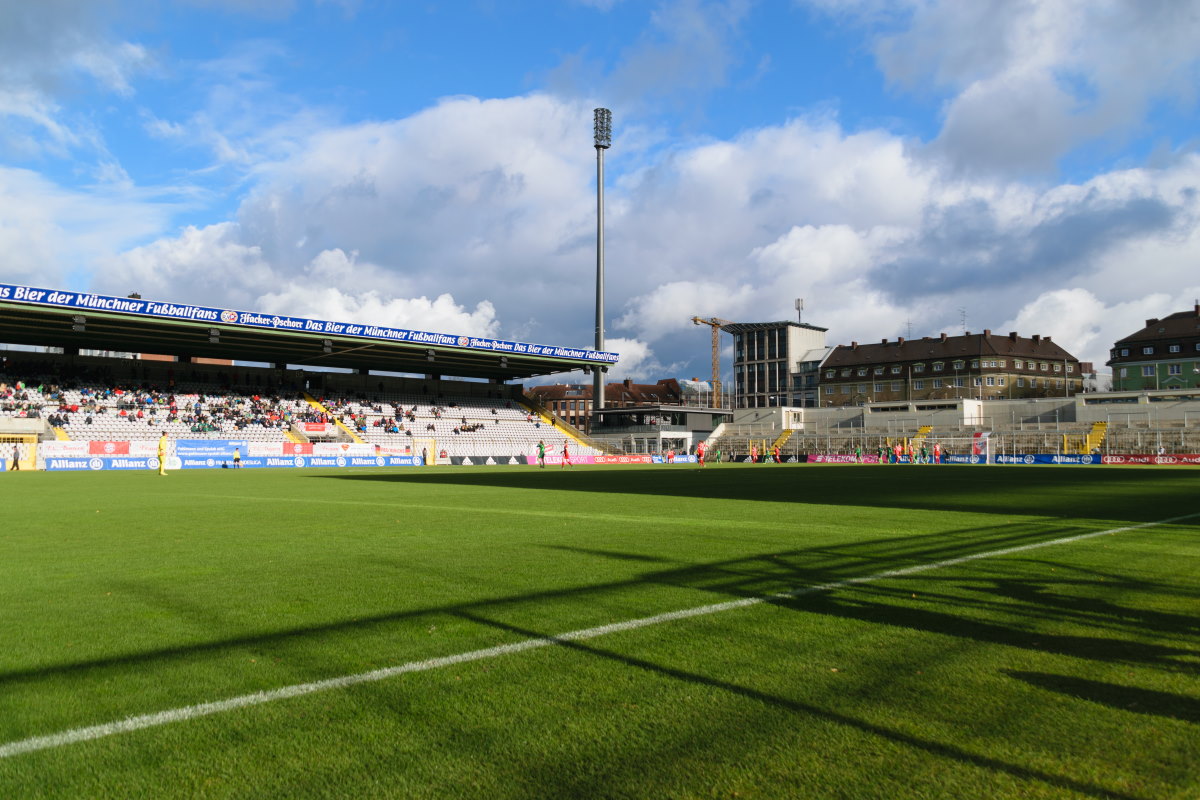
(477,216)
(48,46)
(47,232)
(1027,81)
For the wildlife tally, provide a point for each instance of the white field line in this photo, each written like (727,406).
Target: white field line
(142,721)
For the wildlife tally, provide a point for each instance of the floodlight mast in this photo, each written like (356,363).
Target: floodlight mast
(602,124)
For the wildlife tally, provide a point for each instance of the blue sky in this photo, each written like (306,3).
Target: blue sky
(429,165)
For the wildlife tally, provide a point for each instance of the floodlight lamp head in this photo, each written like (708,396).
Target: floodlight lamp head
(603,128)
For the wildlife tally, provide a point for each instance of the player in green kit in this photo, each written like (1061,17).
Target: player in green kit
(541,454)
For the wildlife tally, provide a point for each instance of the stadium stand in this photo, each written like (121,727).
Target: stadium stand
(123,400)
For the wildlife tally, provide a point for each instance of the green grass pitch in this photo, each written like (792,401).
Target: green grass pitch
(1063,671)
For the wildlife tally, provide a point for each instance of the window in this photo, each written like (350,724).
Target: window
(1044,366)
(1174,369)
(1058,367)
(879,387)
(1020,383)
(1000,381)
(1002,362)
(1148,371)
(1124,372)
(861,371)
(1070,368)
(1016,365)
(960,383)
(918,368)
(862,388)
(1173,348)
(1033,383)
(975,381)
(991,381)
(897,385)
(828,390)
(896,369)
(938,366)
(918,384)
(1124,351)
(1148,350)
(828,373)
(959,364)
(937,383)
(845,373)
(974,363)
(879,370)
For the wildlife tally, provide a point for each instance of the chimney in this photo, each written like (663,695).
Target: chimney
(1012,336)
(1198,309)
(1151,321)
(1046,338)
(883,341)
(987,331)
(1036,338)
(899,340)
(854,345)
(628,382)
(943,337)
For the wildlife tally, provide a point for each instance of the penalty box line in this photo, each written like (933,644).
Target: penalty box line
(143,721)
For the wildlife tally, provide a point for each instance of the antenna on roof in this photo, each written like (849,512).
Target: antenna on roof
(800,309)
(962,319)
(908,329)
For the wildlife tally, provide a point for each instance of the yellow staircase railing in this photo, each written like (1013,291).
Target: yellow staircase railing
(561,425)
(922,434)
(781,440)
(312,401)
(61,435)
(1096,437)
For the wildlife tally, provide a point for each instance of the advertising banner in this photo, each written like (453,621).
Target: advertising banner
(210,448)
(342,449)
(1191,459)
(835,458)
(556,459)
(64,449)
(68,463)
(250,319)
(488,461)
(108,448)
(1046,458)
(618,459)
(678,459)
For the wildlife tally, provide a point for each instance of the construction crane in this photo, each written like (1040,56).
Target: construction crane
(716,323)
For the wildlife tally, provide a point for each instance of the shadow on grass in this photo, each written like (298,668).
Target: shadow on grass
(1109,493)
(1124,698)
(935,748)
(761,575)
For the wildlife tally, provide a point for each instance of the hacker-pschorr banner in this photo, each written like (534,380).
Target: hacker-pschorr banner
(251,319)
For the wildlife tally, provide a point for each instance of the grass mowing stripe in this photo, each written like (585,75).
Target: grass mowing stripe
(657,519)
(144,721)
